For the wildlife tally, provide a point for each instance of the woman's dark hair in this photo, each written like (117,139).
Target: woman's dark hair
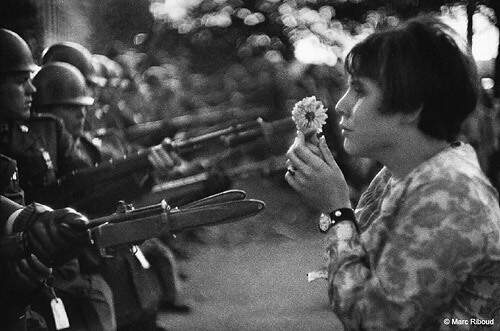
(420,65)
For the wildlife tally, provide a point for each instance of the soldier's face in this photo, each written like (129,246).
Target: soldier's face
(16,91)
(73,117)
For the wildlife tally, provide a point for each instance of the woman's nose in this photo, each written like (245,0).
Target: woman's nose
(342,107)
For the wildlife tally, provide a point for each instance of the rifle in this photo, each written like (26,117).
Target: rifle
(129,226)
(265,167)
(153,132)
(80,183)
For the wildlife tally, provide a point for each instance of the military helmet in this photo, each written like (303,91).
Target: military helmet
(76,55)
(59,83)
(15,54)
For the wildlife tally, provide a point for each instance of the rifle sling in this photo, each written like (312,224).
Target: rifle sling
(229,195)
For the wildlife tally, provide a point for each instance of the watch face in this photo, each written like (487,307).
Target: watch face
(324,222)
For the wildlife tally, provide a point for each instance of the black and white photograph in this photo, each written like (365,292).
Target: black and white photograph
(259,165)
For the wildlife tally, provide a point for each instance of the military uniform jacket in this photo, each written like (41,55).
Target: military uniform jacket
(44,151)
(136,289)
(103,200)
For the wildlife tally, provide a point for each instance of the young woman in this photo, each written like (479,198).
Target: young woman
(422,249)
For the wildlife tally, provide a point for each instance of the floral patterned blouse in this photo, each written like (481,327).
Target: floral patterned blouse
(428,256)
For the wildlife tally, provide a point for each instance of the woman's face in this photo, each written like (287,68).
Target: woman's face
(366,131)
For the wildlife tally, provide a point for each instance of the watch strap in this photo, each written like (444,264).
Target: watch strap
(326,221)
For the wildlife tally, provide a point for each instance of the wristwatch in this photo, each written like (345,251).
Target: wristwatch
(326,221)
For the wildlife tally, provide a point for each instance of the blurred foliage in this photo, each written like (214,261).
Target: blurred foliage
(214,33)
(22,16)
(117,22)
(219,31)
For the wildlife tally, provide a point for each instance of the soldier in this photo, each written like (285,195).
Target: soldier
(23,283)
(38,143)
(43,151)
(61,92)
(113,110)
(100,116)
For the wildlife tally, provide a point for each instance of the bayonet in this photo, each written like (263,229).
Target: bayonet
(229,195)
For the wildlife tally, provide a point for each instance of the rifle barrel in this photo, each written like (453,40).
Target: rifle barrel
(264,129)
(138,213)
(81,181)
(168,127)
(187,145)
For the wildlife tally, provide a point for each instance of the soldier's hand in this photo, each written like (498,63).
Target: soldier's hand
(28,274)
(161,159)
(56,236)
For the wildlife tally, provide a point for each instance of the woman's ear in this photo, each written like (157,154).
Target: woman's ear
(411,117)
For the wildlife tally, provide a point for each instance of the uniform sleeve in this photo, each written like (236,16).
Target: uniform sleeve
(7,207)
(426,252)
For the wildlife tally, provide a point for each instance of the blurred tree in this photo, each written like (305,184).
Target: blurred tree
(115,23)
(22,16)
(219,31)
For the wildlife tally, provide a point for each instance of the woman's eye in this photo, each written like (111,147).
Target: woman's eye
(358,90)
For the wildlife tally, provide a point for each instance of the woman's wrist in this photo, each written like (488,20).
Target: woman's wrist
(335,205)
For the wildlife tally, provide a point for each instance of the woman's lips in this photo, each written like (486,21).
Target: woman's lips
(345,130)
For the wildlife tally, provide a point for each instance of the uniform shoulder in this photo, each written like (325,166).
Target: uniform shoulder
(45,119)
(6,159)
(40,117)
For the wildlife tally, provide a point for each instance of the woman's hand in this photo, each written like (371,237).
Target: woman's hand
(317,178)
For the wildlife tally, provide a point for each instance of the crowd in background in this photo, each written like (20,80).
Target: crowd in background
(144,87)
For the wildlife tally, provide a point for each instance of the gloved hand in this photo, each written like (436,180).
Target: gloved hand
(185,168)
(161,159)
(27,274)
(55,236)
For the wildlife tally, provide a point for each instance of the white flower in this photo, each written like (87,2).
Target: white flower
(309,115)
